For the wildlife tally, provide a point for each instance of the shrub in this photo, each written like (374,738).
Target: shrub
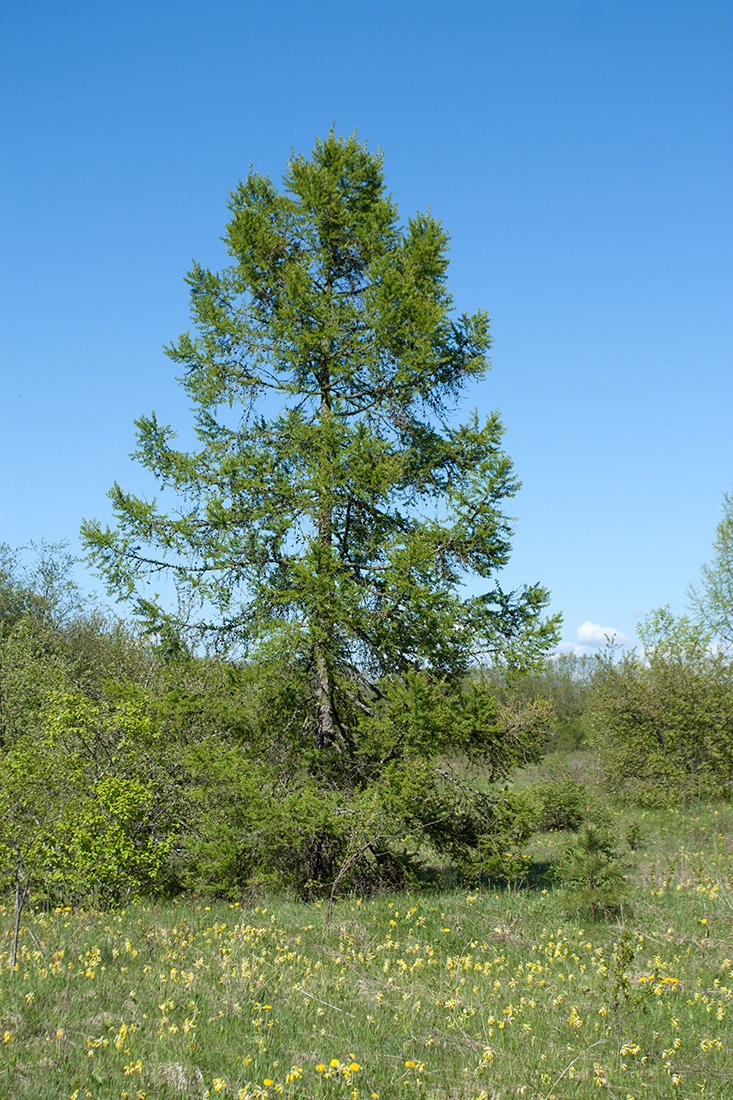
(562,804)
(663,720)
(510,821)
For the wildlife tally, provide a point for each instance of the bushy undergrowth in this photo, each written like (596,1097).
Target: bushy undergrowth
(561,804)
(439,995)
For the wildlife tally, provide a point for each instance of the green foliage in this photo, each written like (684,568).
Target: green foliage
(126,772)
(104,849)
(34,796)
(565,680)
(52,641)
(337,533)
(324,527)
(76,810)
(45,590)
(712,601)
(265,805)
(664,719)
(592,870)
(80,816)
(35,605)
(635,836)
(562,803)
(509,821)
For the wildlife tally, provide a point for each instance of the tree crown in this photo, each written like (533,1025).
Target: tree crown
(333,508)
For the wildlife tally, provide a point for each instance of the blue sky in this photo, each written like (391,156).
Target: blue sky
(578,151)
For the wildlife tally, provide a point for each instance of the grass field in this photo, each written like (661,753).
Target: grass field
(443,995)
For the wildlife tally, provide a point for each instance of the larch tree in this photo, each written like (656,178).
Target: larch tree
(333,509)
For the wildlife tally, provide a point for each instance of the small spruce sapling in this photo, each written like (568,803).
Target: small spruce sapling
(592,870)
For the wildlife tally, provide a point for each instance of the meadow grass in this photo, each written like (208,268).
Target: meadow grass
(440,995)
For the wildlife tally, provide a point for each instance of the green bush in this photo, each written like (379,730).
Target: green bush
(562,804)
(510,820)
(663,719)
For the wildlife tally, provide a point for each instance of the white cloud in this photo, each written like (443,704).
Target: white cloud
(572,647)
(591,637)
(591,634)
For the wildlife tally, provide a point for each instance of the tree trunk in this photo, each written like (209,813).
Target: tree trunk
(325,731)
(21,894)
(325,719)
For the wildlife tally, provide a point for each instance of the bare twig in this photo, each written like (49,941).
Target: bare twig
(312,997)
(570,1065)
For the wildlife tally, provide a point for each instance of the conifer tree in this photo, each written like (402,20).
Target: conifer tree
(333,507)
